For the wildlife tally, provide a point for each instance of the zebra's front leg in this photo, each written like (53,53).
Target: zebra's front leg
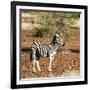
(50,66)
(50,63)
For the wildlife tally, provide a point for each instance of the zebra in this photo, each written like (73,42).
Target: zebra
(39,49)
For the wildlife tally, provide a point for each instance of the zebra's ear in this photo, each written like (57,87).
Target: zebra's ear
(61,34)
(34,40)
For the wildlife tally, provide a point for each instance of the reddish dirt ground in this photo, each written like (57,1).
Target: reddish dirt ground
(66,63)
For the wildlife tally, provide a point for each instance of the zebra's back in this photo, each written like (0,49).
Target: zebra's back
(40,49)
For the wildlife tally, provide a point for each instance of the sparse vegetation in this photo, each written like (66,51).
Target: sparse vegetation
(43,32)
(51,22)
(65,64)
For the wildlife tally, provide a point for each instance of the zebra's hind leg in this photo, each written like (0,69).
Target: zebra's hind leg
(38,66)
(34,62)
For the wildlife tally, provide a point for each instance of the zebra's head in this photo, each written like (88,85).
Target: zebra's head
(57,40)
(61,42)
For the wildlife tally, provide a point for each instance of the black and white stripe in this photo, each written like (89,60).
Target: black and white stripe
(39,49)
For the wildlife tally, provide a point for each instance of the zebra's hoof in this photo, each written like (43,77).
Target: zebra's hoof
(39,70)
(49,69)
(34,71)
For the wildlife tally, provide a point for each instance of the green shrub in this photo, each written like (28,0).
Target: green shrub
(43,32)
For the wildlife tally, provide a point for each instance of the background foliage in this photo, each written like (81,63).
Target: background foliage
(51,22)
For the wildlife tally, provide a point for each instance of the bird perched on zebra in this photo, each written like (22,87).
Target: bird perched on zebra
(39,49)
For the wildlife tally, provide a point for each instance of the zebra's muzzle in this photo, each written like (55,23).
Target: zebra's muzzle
(63,44)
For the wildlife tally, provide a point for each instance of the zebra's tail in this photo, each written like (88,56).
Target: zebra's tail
(30,54)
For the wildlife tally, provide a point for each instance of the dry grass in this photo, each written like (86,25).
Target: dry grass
(65,64)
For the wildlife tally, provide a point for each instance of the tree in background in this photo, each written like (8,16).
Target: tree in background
(52,22)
